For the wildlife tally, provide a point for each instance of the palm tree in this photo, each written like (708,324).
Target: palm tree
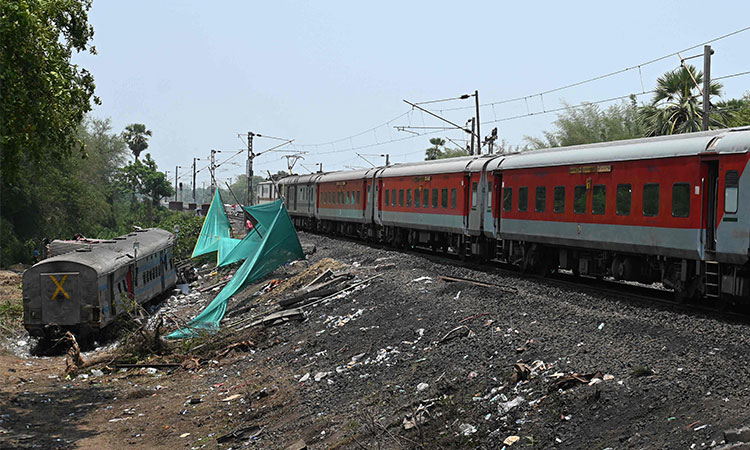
(436,151)
(677,106)
(136,135)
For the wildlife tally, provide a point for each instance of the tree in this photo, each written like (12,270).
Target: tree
(436,150)
(589,124)
(737,109)
(439,151)
(57,198)
(136,135)
(677,106)
(44,96)
(143,179)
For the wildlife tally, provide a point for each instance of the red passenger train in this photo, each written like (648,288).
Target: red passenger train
(672,209)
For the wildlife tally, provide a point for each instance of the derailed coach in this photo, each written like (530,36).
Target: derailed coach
(85,290)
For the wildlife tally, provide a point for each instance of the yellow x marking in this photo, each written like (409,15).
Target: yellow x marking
(59,287)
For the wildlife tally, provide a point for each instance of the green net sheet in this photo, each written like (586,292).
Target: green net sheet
(279,245)
(262,217)
(215,228)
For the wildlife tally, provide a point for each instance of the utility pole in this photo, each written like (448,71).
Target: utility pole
(175,182)
(479,133)
(250,157)
(212,168)
(387,159)
(320,167)
(707,52)
(194,160)
(471,147)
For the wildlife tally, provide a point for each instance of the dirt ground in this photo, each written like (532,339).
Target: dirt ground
(406,361)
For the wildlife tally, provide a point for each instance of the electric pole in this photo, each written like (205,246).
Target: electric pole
(212,168)
(479,133)
(320,167)
(194,160)
(707,52)
(471,146)
(250,157)
(175,181)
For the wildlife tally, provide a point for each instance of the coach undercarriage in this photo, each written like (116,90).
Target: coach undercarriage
(689,279)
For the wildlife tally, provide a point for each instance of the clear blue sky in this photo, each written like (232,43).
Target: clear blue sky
(198,73)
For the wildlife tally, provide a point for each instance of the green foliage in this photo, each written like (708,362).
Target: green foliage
(439,150)
(677,104)
(589,124)
(190,227)
(434,152)
(61,197)
(136,135)
(44,96)
(143,178)
(737,111)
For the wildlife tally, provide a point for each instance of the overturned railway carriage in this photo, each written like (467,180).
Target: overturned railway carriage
(670,209)
(84,290)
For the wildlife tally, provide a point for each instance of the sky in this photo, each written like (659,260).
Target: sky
(333,76)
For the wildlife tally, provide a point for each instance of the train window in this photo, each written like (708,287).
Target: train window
(400,197)
(579,199)
(444,197)
(408,197)
(489,196)
(358,197)
(393,197)
(622,203)
(434,198)
(425,198)
(541,199)
(473,196)
(731,191)
(416,198)
(507,199)
(453,198)
(681,199)
(651,199)
(387,197)
(523,198)
(599,199)
(558,203)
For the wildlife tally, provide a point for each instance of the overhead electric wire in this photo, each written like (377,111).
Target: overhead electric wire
(599,77)
(356,135)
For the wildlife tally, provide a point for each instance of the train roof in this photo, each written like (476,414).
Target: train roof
(437,166)
(734,140)
(346,175)
(106,255)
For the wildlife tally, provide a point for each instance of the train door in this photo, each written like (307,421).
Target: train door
(379,195)
(478,193)
(709,188)
(467,198)
(496,203)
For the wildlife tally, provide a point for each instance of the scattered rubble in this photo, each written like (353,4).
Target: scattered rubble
(361,347)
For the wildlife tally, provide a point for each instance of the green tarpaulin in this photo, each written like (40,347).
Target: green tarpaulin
(236,250)
(279,245)
(215,229)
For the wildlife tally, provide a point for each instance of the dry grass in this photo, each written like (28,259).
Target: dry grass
(11,303)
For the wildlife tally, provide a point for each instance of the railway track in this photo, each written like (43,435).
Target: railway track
(629,292)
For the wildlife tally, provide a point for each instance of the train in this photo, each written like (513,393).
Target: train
(85,289)
(672,209)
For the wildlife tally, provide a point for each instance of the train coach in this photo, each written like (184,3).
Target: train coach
(669,209)
(85,290)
